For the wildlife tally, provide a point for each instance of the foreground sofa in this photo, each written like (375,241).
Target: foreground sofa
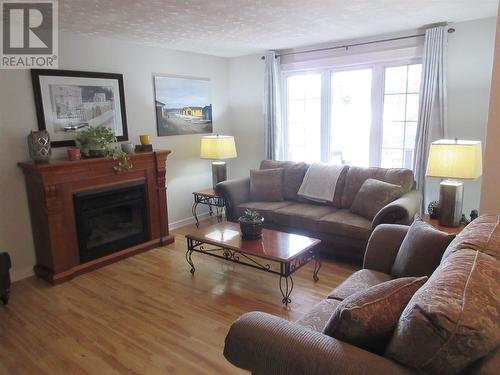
(341,231)
(455,317)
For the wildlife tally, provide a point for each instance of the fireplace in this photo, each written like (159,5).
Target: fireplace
(85,215)
(111,219)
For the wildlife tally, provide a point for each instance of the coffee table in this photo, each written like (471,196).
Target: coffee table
(276,252)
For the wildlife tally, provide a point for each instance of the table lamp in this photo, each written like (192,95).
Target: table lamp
(218,148)
(453,160)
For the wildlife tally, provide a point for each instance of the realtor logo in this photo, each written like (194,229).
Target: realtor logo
(28,34)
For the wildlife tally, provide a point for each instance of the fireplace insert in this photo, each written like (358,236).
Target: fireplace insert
(111,219)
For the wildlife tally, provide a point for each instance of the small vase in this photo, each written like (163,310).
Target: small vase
(39,146)
(128,148)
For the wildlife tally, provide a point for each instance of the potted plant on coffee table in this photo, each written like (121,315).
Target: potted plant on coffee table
(251,225)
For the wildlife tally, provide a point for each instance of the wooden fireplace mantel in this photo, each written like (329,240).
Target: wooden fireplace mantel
(51,186)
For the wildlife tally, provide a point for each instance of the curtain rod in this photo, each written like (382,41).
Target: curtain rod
(346,46)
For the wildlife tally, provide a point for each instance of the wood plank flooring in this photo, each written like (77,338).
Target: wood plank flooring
(145,314)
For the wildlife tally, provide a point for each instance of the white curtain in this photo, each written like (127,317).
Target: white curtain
(272,108)
(432,106)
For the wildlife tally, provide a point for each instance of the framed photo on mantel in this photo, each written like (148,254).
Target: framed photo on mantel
(67,101)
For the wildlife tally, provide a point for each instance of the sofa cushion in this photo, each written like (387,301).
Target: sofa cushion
(345,223)
(265,209)
(421,250)
(373,196)
(359,280)
(454,319)
(266,185)
(368,317)
(302,215)
(356,176)
(293,174)
(318,317)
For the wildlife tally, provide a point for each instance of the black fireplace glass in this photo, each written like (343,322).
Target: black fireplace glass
(111,219)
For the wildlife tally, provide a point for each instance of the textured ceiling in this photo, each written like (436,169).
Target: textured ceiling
(239,27)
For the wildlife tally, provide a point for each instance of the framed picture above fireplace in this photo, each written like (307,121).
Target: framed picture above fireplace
(67,101)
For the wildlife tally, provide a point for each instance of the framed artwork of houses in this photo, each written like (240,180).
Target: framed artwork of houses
(183,105)
(68,101)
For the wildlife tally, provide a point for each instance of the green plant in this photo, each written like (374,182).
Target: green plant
(251,215)
(102,139)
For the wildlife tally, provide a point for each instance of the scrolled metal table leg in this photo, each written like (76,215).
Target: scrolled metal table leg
(287,290)
(193,211)
(317,266)
(190,261)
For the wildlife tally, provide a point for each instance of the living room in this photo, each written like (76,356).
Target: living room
(303,82)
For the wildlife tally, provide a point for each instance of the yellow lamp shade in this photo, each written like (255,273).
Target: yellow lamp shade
(455,159)
(217,147)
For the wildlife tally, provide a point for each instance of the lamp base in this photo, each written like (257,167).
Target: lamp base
(219,172)
(450,202)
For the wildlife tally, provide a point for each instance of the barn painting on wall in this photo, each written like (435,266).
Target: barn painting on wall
(183,105)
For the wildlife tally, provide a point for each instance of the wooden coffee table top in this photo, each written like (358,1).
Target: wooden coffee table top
(274,245)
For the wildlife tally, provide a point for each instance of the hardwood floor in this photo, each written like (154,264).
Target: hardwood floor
(145,314)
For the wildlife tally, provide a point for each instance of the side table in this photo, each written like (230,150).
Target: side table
(435,224)
(209,198)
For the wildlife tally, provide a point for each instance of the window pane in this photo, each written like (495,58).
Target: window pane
(304,117)
(392,158)
(408,158)
(394,107)
(412,107)
(393,134)
(351,116)
(414,76)
(410,134)
(401,101)
(395,80)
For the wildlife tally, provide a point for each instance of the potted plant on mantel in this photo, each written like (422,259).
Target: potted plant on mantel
(98,141)
(251,225)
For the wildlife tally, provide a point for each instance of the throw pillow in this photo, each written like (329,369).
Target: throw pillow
(368,318)
(373,196)
(421,250)
(266,185)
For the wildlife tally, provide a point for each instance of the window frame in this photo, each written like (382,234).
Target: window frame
(377,105)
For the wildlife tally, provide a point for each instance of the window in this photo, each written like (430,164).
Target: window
(303,117)
(364,115)
(401,93)
(351,116)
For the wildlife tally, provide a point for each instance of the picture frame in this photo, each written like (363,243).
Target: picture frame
(67,101)
(183,105)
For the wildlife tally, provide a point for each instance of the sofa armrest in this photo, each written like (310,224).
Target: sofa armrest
(400,211)
(265,344)
(383,246)
(234,192)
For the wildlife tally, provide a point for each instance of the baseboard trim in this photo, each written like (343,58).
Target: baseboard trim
(189,220)
(19,274)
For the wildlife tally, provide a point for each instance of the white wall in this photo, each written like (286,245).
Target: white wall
(490,202)
(470,64)
(185,171)
(246,88)
(470,57)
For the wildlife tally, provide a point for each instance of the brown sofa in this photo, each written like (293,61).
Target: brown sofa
(454,327)
(341,231)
